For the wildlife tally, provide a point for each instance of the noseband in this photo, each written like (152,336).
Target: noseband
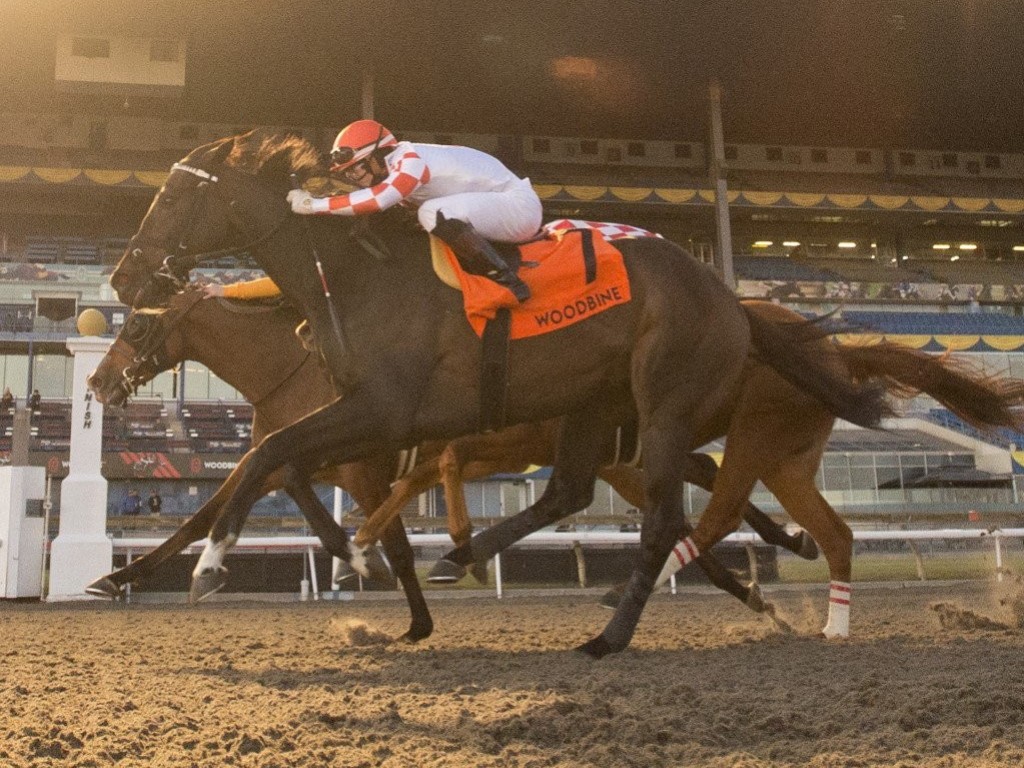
(151,356)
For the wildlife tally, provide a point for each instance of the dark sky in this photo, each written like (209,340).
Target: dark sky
(911,73)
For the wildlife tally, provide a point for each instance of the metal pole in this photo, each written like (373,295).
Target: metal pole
(716,171)
(999,555)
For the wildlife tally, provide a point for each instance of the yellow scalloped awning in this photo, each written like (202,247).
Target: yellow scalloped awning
(889,202)
(153,178)
(107,177)
(958,343)
(676,195)
(930,203)
(763,198)
(972,204)
(630,194)
(1003,343)
(586,193)
(709,195)
(543,191)
(57,175)
(805,199)
(1009,206)
(848,201)
(13,172)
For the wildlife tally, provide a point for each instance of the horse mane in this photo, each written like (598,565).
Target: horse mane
(266,153)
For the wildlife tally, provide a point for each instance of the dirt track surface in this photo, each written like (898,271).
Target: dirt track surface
(705,683)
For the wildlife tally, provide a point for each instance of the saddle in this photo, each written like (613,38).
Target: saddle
(572,277)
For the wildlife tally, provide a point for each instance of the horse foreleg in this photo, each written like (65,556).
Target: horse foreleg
(191,531)
(400,553)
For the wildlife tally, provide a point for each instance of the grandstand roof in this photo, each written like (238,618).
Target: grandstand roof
(933,75)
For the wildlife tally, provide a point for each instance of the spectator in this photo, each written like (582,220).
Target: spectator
(131,505)
(7,401)
(34,401)
(154,502)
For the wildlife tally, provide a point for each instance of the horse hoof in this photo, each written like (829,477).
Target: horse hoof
(479,572)
(597,648)
(445,572)
(808,549)
(104,587)
(415,634)
(755,600)
(344,572)
(207,583)
(611,598)
(378,569)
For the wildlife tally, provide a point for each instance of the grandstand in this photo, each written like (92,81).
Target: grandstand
(912,230)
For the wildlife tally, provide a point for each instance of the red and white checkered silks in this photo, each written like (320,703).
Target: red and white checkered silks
(608,230)
(407,173)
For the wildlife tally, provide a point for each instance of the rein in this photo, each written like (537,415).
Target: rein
(172,276)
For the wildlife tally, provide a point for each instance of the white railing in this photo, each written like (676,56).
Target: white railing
(575,540)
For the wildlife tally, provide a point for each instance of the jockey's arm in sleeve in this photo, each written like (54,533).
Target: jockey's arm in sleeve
(408,174)
(260,288)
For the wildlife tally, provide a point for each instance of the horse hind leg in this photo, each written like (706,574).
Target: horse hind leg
(797,493)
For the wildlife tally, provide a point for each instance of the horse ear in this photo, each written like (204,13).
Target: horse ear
(221,151)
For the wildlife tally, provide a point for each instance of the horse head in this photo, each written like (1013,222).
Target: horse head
(222,197)
(152,341)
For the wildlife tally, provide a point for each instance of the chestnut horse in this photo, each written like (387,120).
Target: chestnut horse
(395,339)
(231,339)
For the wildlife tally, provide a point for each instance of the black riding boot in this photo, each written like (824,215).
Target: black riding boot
(477,255)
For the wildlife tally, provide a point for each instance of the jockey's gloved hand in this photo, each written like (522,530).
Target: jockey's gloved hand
(303,202)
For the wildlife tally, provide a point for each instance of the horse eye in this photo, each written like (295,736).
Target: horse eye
(136,327)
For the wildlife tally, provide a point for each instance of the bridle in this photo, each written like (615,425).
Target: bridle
(151,357)
(172,275)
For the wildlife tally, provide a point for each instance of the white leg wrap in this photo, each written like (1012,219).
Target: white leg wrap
(683,553)
(838,610)
(358,561)
(213,555)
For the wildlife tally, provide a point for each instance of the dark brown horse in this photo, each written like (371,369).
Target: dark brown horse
(231,338)
(395,340)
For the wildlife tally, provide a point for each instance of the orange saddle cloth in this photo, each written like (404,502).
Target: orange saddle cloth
(571,278)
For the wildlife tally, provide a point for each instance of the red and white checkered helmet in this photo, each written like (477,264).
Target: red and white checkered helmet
(357,141)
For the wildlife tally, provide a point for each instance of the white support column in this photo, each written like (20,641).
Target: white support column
(82,552)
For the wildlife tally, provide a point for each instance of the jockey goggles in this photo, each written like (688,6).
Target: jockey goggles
(342,157)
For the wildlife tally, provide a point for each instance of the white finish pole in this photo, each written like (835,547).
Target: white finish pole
(82,553)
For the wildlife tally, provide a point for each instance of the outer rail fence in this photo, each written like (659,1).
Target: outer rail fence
(574,540)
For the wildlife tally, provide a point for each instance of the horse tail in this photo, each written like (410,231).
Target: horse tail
(982,400)
(794,350)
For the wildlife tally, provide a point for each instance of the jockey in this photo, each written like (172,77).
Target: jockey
(461,195)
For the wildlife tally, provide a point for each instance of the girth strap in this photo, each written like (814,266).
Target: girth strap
(494,372)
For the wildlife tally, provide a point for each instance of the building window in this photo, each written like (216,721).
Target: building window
(862,157)
(541,146)
(636,149)
(164,50)
(819,155)
(907,159)
(949,160)
(773,154)
(683,151)
(993,162)
(588,147)
(731,153)
(90,47)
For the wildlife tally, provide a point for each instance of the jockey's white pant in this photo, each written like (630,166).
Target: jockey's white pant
(510,216)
